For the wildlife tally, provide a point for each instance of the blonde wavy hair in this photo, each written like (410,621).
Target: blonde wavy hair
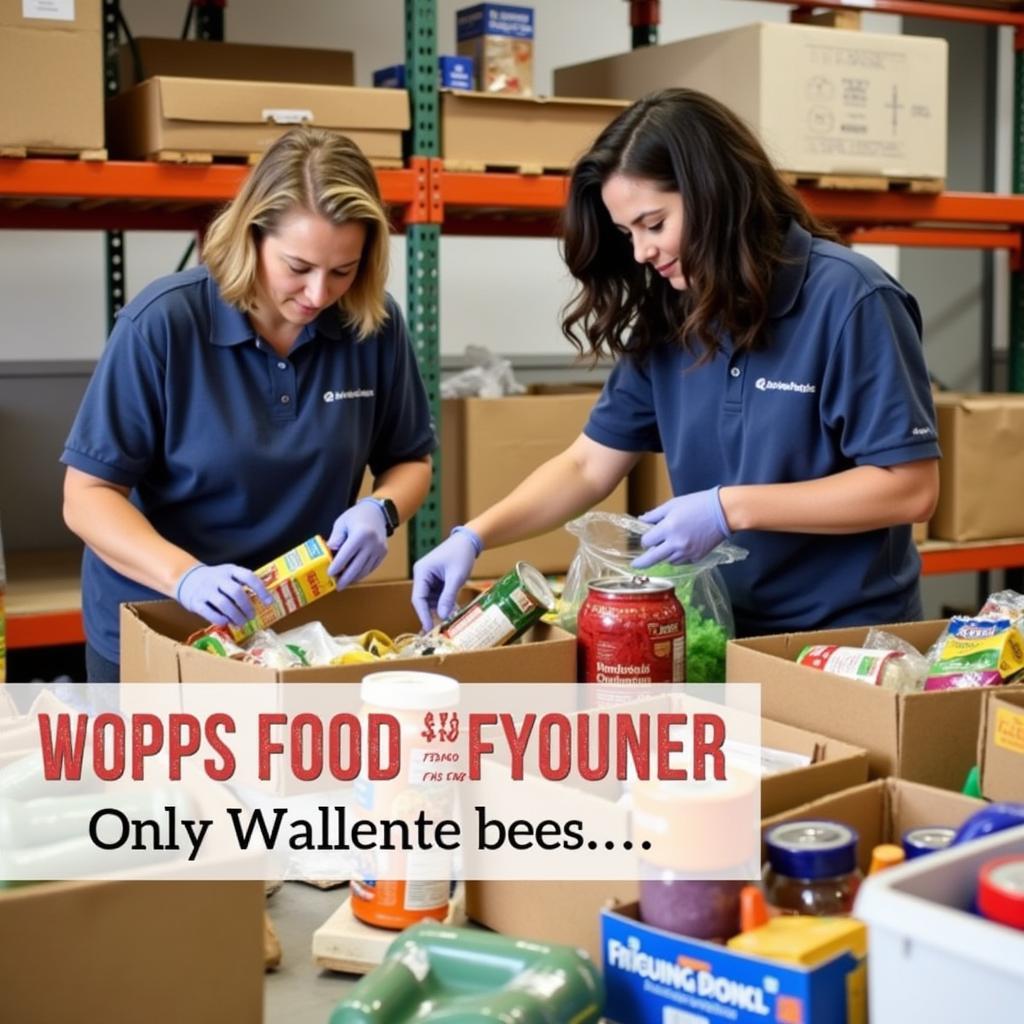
(319,171)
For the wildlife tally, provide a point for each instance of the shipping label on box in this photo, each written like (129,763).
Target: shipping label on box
(656,977)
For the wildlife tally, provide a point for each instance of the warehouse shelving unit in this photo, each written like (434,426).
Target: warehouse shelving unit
(427,200)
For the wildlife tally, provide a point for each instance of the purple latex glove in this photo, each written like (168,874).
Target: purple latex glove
(360,539)
(438,576)
(218,593)
(686,529)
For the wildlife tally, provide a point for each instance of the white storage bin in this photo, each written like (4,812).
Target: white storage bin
(928,959)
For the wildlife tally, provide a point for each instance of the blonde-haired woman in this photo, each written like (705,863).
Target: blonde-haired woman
(237,405)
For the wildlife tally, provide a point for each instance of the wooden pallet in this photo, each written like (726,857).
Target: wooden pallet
(480,166)
(55,153)
(864,182)
(343,943)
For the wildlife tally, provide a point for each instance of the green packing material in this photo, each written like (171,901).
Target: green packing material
(466,976)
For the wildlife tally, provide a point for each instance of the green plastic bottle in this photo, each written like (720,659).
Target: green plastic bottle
(467,976)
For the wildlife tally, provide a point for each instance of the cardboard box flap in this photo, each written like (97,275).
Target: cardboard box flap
(1001,745)
(971,402)
(231,102)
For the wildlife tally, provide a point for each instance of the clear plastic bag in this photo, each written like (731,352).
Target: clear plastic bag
(609,542)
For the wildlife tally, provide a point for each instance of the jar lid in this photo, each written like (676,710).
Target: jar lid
(1001,890)
(812,849)
(630,586)
(409,691)
(927,839)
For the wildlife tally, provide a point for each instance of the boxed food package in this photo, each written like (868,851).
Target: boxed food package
(153,647)
(452,73)
(692,975)
(480,130)
(924,737)
(490,445)
(51,75)
(982,461)
(569,912)
(205,58)
(499,38)
(822,100)
(174,117)
(1001,746)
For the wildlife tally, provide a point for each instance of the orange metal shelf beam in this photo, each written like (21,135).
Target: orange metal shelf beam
(937,238)
(979,558)
(44,629)
(918,9)
(137,181)
(505,191)
(892,208)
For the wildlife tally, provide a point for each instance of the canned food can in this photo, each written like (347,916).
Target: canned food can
(503,612)
(631,631)
(927,839)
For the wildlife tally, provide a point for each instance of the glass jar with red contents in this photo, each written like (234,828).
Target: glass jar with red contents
(631,632)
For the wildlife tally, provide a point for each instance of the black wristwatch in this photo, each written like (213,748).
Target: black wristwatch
(390,510)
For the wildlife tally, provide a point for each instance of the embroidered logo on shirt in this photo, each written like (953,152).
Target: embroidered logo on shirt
(763,384)
(341,396)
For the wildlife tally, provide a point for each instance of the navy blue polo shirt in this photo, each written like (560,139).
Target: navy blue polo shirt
(231,451)
(842,383)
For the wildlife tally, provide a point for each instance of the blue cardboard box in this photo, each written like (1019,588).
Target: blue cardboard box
(494,20)
(655,977)
(452,73)
(499,38)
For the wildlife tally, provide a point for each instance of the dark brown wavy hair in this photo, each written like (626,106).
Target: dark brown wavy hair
(736,211)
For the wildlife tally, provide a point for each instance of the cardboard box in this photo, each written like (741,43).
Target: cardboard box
(919,532)
(396,562)
(882,810)
(491,444)
(184,950)
(152,648)
(481,129)
(569,912)
(452,73)
(202,58)
(981,468)
(51,75)
(649,484)
(823,100)
(499,38)
(229,118)
(1001,745)
(750,989)
(924,737)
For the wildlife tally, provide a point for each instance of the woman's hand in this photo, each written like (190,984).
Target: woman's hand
(438,576)
(686,529)
(360,539)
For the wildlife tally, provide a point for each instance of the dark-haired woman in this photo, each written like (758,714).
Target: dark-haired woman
(781,374)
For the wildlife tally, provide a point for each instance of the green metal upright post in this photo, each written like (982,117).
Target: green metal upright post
(1016,341)
(423,243)
(113,242)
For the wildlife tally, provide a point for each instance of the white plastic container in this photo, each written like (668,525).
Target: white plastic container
(928,959)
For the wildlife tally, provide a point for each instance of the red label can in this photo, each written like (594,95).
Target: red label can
(631,631)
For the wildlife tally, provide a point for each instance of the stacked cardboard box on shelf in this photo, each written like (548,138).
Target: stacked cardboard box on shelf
(51,77)
(982,461)
(824,101)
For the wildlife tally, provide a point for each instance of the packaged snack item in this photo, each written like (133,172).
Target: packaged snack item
(977,652)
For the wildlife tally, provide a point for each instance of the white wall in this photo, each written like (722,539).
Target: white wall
(505,293)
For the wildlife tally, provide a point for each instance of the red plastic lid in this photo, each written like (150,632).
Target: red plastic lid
(1001,890)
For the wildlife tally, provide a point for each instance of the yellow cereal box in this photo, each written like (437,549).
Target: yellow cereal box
(294,580)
